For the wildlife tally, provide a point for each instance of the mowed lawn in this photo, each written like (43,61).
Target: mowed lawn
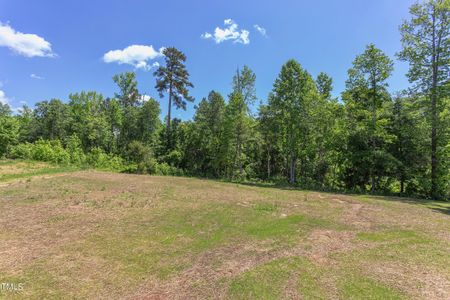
(90,234)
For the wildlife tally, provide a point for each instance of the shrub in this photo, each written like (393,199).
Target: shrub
(9,132)
(116,163)
(165,169)
(97,158)
(141,157)
(42,151)
(60,155)
(173,158)
(77,156)
(54,152)
(23,151)
(50,151)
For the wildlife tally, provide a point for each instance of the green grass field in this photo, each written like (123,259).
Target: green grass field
(88,234)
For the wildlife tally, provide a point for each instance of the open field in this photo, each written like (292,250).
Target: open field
(89,234)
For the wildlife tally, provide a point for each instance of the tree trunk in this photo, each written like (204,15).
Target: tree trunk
(303,170)
(374,124)
(292,178)
(239,158)
(268,164)
(169,109)
(373,183)
(434,162)
(237,165)
(402,185)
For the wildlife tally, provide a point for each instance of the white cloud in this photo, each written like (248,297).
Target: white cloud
(261,30)
(3,98)
(34,76)
(229,32)
(228,21)
(144,98)
(135,55)
(206,35)
(26,44)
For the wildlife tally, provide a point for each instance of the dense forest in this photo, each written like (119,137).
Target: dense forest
(367,140)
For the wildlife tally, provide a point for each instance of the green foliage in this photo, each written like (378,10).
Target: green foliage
(142,156)
(425,41)
(54,152)
(9,132)
(236,134)
(173,158)
(294,91)
(41,150)
(5,109)
(268,126)
(173,78)
(127,84)
(205,139)
(148,122)
(368,108)
(23,150)
(408,147)
(368,142)
(50,120)
(166,169)
(324,85)
(77,155)
(244,84)
(97,158)
(88,120)
(114,115)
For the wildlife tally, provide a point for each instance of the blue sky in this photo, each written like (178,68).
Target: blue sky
(66,52)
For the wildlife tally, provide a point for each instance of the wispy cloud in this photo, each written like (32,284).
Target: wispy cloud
(138,56)
(10,102)
(34,76)
(229,32)
(3,98)
(261,30)
(26,44)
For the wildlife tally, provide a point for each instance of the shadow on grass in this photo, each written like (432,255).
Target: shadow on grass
(440,206)
(435,205)
(444,210)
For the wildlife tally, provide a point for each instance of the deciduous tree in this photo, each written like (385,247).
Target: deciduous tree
(425,41)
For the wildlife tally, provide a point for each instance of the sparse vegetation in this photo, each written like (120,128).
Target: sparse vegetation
(90,234)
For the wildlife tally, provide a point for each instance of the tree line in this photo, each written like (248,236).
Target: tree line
(368,141)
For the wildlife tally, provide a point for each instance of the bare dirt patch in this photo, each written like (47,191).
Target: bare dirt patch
(417,281)
(202,279)
(326,242)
